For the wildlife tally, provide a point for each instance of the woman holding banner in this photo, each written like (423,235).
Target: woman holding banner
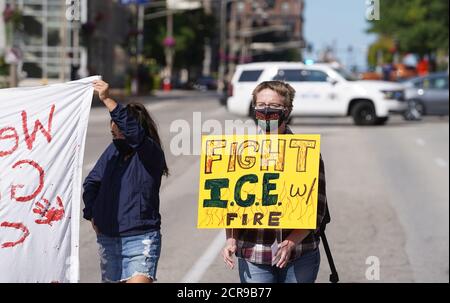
(270,255)
(121,194)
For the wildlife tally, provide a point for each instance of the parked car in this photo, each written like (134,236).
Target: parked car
(224,94)
(322,90)
(205,83)
(427,95)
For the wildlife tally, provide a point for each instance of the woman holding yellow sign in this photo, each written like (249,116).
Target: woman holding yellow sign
(277,255)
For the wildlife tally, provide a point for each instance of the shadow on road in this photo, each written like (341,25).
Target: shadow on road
(160,96)
(348,123)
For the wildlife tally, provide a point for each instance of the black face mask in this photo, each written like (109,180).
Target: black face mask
(270,120)
(122,146)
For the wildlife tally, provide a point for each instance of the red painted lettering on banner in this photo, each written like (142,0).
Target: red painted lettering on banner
(19,226)
(39,187)
(29,139)
(8,133)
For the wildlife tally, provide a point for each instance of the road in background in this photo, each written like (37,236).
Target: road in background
(387,190)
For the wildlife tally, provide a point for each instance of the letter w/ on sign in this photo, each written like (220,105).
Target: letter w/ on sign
(260,181)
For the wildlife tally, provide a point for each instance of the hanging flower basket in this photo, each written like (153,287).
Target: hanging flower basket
(12,16)
(169,42)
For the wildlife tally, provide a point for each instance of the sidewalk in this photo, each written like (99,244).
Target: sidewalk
(158,96)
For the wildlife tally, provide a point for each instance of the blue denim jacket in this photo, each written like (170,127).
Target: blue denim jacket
(122,195)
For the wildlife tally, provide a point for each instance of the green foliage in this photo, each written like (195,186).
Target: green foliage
(418,26)
(191,29)
(4,68)
(385,45)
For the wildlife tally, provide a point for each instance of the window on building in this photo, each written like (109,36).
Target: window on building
(271,3)
(285,7)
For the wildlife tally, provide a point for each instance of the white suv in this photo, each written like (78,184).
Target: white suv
(322,90)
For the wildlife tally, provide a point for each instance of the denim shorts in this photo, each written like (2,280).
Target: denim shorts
(301,270)
(122,258)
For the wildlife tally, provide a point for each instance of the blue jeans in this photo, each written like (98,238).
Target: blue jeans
(300,270)
(122,258)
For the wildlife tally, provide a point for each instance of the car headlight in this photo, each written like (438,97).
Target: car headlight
(398,95)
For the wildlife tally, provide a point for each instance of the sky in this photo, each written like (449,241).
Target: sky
(341,23)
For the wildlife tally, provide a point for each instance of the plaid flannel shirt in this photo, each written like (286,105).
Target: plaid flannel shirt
(254,245)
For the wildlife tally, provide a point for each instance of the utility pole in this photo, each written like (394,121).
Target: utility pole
(169,50)
(84,16)
(223,44)
(13,80)
(140,39)
(45,43)
(207,48)
(232,44)
(63,53)
(243,26)
(75,59)
(13,77)
(140,14)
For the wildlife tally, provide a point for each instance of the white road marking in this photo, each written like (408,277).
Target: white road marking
(440,162)
(196,272)
(420,141)
(100,115)
(160,104)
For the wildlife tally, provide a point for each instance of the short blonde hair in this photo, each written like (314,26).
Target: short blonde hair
(283,89)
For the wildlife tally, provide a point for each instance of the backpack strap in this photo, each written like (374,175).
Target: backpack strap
(334,277)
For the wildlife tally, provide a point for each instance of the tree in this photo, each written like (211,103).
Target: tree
(418,26)
(191,29)
(385,46)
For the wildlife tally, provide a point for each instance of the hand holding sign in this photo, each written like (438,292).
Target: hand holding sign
(228,251)
(284,253)
(102,88)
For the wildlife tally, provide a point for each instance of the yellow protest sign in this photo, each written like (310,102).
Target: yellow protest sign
(260,181)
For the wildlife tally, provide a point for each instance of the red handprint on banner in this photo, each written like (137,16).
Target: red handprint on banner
(49,214)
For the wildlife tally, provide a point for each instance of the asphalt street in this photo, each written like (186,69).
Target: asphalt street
(387,187)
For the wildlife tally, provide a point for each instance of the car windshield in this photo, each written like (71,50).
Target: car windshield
(250,75)
(345,74)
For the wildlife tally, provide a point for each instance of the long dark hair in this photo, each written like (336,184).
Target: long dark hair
(140,113)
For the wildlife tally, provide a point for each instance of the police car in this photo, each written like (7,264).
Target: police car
(323,90)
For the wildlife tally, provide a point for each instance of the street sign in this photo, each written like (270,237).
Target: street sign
(127,2)
(183,4)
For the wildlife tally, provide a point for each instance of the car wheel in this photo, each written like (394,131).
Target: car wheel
(415,111)
(382,121)
(363,113)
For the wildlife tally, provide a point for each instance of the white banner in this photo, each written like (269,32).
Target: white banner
(42,136)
